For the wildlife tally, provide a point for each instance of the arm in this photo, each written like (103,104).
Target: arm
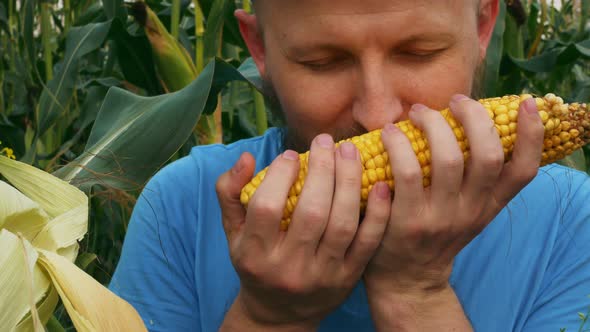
(408,278)
(438,310)
(292,280)
(238,319)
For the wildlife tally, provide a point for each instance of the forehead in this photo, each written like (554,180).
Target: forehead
(344,7)
(316,19)
(280,14)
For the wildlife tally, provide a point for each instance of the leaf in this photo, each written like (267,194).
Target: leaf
(56,96)
(4,20)
(214,28)
(22,283)
(584,47)
(114,9)
(575,160)
(542,63)
(19,214)
(133,136)
(90,305)
(84,259)
(55,196)
(28,23)
(231,30)
(136,61)
(250,72)
(494,53)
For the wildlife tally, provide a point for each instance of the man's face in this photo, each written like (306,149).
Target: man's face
(346,67)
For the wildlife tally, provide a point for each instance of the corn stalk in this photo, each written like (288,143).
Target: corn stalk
(199,34)
(540,30)
(46,39)
(259,108)
(67,10)
(175,18)
(209,128)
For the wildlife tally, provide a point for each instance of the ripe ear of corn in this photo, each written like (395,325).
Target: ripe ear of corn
(567,128)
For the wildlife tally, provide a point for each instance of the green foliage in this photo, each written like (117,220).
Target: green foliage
(540,49)
(84,97)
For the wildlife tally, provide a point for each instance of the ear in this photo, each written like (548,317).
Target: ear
(252,35)
(487,15)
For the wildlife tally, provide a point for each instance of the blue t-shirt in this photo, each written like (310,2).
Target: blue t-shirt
(529,270)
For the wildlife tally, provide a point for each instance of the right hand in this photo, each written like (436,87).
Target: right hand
(299,276)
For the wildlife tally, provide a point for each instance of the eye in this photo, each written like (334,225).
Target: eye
(326,64)
(417,54)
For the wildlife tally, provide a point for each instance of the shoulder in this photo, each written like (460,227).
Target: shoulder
(206,162)
(557,186)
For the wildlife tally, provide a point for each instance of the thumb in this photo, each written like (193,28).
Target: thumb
(229,186)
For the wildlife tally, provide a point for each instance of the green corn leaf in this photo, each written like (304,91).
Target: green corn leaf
(494,54)
(133,136)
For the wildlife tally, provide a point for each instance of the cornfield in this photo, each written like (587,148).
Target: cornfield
(102,94)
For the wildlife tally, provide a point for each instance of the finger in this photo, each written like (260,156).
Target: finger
(405,168)
(486,153)
(526,156)
(372,228)
(345,210)
(267,206)
(310,216)
(447,158)
(228,187)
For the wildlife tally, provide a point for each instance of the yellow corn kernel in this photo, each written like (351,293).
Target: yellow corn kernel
(565,131)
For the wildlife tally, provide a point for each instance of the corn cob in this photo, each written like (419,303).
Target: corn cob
(567,128)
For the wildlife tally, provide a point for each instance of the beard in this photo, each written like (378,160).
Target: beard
(292,138)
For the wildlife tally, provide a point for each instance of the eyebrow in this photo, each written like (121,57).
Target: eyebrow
(329,46)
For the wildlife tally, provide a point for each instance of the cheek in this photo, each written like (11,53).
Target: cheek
(436,84)
(314,103)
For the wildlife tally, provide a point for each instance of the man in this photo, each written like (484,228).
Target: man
(488,246)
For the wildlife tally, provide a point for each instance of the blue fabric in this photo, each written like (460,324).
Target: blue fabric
(529,270)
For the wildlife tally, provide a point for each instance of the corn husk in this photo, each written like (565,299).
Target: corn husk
(42,218)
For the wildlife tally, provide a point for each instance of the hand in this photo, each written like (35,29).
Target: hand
(299,276)
(429,226)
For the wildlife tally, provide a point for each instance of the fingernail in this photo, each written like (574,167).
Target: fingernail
(325,141)
(348,150)
(238,166)
(530,106)
(382,190)
(458,98)
(418,107)
(390,128)
(290,155)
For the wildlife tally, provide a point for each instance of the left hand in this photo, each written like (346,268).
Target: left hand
(429,226)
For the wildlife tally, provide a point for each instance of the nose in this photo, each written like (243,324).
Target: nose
(376,102)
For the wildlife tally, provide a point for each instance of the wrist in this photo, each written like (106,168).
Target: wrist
(240,318)
(418,310)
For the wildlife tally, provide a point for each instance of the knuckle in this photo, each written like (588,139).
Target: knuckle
(369,243)
(221,184)
(452,162)
(344,229)
(526,174)
(249,268)
(294,284)
(409,175)
(313,214)
(265,208)
(493,159)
